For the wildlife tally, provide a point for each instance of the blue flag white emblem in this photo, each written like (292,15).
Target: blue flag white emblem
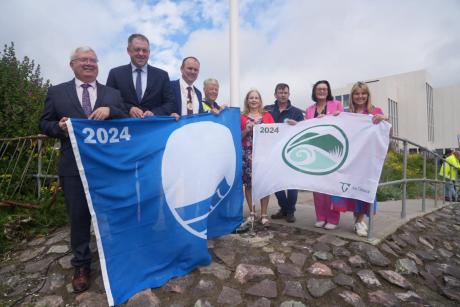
(157,189)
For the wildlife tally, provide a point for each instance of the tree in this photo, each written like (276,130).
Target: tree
(22,93)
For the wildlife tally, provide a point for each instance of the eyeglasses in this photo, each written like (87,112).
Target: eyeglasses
(86,60)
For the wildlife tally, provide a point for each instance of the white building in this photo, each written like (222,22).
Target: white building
(425,115)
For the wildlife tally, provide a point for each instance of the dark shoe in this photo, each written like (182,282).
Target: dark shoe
(290,218)
(278,215)
(80,281)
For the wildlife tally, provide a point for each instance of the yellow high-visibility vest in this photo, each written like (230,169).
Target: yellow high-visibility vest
(206,107)
(446,168)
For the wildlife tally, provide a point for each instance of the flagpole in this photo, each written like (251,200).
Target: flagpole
(234,54)
(235,63)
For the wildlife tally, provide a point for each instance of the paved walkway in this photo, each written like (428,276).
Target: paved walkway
(385,222)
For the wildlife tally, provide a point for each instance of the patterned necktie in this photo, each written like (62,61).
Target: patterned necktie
(139,84)
(85,101)
(189,101)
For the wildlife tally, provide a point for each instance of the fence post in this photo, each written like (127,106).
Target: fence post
(403,211)
(436,161)
(424,182)
(450,183)
(370,232)
(39,168)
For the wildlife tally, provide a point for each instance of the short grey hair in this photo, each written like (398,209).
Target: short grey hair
(73,55)
(210,81)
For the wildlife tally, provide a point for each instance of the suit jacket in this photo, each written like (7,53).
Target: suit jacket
(157,97)
(175,86)
(62,101)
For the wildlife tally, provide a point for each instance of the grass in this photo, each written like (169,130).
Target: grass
(18,224)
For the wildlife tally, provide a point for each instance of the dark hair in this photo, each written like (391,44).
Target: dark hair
(137,35)
(281,86)
(189,57)
(329,92)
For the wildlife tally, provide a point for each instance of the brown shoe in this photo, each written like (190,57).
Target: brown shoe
(80,281)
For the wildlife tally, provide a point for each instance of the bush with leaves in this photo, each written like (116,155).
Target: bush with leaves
(22,93)
(393,170)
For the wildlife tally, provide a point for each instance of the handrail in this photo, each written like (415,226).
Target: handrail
(30,137)
(420,147)
(42,177)
(27,163)
(404,181)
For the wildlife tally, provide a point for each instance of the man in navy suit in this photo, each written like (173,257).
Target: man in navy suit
(82,97)
(145,89)
(188,98)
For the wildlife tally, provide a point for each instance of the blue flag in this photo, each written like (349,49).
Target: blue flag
(157,189)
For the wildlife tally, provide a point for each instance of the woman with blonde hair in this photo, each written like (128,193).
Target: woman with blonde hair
(361,103)
(253,114)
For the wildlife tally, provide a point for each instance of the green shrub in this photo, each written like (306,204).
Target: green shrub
(393,170)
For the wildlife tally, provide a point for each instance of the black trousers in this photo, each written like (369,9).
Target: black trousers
(287,200)
(80,220)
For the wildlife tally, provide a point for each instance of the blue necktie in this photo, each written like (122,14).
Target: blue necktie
(139,84)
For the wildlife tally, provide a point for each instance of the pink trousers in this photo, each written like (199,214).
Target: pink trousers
(323,207)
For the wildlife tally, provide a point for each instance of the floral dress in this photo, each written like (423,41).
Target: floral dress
(247,144)
(247,154)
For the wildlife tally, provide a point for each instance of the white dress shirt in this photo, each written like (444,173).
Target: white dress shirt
(92,90)
(183,93)
(143,77)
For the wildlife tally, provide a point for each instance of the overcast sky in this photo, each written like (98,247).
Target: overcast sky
(293,41)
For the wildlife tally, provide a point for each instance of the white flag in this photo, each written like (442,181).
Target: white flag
(337,155)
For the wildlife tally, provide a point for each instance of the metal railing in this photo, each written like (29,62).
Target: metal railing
(20,174)
(28,169)
(427,154)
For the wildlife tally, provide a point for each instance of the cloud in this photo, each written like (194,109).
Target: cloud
(297,42)
(47,31)
(300,42)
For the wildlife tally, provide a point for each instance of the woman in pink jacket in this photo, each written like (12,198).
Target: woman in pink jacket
(324,105)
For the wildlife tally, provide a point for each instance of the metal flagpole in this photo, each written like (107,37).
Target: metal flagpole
(235,63)
(234,54)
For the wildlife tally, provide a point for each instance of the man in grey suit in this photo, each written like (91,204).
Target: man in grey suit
(145,89)
(82,97)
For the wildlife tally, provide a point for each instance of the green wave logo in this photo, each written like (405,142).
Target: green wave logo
(318,150)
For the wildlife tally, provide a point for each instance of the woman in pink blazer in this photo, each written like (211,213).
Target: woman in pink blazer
(324,105)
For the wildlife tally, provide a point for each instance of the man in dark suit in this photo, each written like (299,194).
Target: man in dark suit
(145,89)
(82,97)
(188,98)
